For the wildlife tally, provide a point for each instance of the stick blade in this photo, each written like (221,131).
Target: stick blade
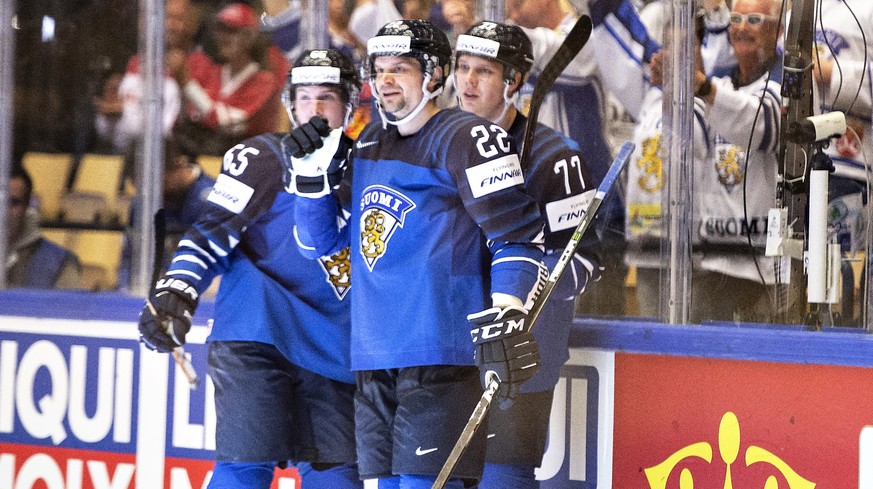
(570,47)
(578,36)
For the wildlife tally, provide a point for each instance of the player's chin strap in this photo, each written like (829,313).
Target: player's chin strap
(427,97)
(507,100)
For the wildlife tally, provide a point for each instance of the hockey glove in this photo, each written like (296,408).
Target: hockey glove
(173,302)
(505,348)
(306,138)
(313,167)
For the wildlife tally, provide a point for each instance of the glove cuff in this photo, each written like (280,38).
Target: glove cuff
(312,187)
(180,288)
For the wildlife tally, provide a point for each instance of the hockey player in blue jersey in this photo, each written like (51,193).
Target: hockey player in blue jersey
(491,63)
(440,227)
(279,347)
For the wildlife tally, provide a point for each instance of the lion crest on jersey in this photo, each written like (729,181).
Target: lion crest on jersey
(651,178)
(728,165)
(338,268)
(383,211)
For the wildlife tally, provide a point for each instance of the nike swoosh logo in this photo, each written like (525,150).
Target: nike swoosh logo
(362,145)
(420,452)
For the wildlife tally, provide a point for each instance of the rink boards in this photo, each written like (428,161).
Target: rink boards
(639,405)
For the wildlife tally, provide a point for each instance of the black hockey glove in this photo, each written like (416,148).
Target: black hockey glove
(315,158)
(306,138)
(504,347)
(174,302)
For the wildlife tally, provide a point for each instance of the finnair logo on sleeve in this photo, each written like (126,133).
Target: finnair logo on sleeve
(230,193)
(388,45)
(315,75)
(477,45)
(497,174)
(566,213)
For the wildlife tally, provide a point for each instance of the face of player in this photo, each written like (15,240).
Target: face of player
(754,43)
(312,100)
(480,86)
(398,84)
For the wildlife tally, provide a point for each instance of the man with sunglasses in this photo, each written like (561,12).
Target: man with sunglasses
(732,280)
(753,19)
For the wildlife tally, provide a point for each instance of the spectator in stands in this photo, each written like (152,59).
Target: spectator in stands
(460,15)
(235,97)
(732,280)
(108,108)
(180,27)
(338,25)
(284,23)
(33,261)
(369,15)
(185,190)
(417,9)
(641,96)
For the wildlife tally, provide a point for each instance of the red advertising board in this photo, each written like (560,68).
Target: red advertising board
(683,422)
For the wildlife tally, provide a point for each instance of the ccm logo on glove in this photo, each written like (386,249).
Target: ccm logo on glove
(495,330)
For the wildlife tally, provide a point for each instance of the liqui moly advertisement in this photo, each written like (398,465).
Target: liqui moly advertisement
(84,406)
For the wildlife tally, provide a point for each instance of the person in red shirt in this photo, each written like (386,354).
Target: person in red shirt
(236,96)
(180,28)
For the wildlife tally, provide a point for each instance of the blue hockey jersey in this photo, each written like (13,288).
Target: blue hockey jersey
(438,221)
(269,293)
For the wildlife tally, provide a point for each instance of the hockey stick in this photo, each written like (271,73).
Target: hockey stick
(178,352)
(573,43)
(484,404)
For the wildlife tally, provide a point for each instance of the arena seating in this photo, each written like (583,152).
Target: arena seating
(50,173)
